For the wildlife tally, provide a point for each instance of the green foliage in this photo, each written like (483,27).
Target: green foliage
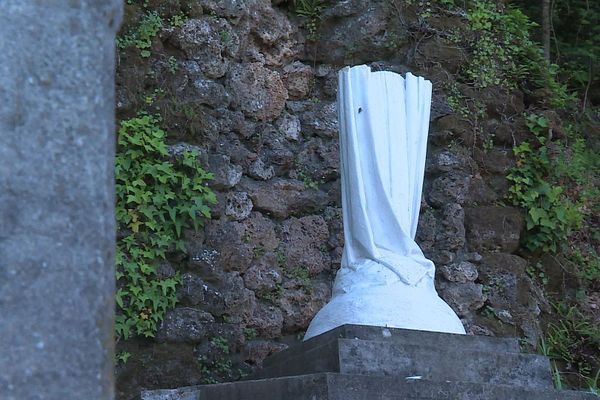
(219,367)
(551,215)
(172,65)
(575,40)
(311,11)
(142,34)
(424,7)
(557,184)
(571,342)
(225,37)
(503,52)
(221,343)
(215,370)
(272,296)
(151,97)
(537,272)
(301,275)
(122,357)
(501,38)
(556,181)
(587,265)
(577,50)
(303,173)
(281,259)
(258,251)
(178,20)
(308,181)
(544,350)
(250,333)
(157,198)
(456,100)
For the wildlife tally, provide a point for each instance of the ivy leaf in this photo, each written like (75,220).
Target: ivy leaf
(178,226)
(205,211)
(172,213)
(119,297)
(147,268)
(148,212)
(537,214)
(167,284)
(135,226)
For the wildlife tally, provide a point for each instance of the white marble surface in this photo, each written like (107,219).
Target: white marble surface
(384,279)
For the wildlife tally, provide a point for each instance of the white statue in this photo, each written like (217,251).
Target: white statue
(384,280)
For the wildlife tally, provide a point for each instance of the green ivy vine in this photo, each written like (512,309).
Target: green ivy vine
(158,196)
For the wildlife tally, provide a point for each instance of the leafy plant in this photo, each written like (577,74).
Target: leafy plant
(311,10)
(578,49)
(456,100)
(503,53)
(281,258)
(122,357)
(157,198)
(551,215)
(178,20)
(172,65)
(141,35)
(151,97)
(308,180)
(249,333)
(225,37)
(575,41)
(272,296)
(301,275)
(218,367)
(537,272)
(587,264)
(221,343)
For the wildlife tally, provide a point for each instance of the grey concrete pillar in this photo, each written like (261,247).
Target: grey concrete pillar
(57,229)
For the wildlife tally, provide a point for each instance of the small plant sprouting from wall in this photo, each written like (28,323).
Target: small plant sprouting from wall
(158,197)
(142,34)
(311,10)
(219,367)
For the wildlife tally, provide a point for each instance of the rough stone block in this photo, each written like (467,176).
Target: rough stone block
(57,241)
(359,387)
(402,336)
(431,362)
(493,228)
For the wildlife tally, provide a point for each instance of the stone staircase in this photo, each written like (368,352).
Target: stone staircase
(355,362)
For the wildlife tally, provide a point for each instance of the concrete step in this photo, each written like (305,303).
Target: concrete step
(388,358)
(333,386)
(405,336)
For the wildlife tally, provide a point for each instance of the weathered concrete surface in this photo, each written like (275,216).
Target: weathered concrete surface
(328,386)
(57,236)
(430,361)
(398,336)
(434,363)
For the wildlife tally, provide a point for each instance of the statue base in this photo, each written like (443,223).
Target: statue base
(394,306)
